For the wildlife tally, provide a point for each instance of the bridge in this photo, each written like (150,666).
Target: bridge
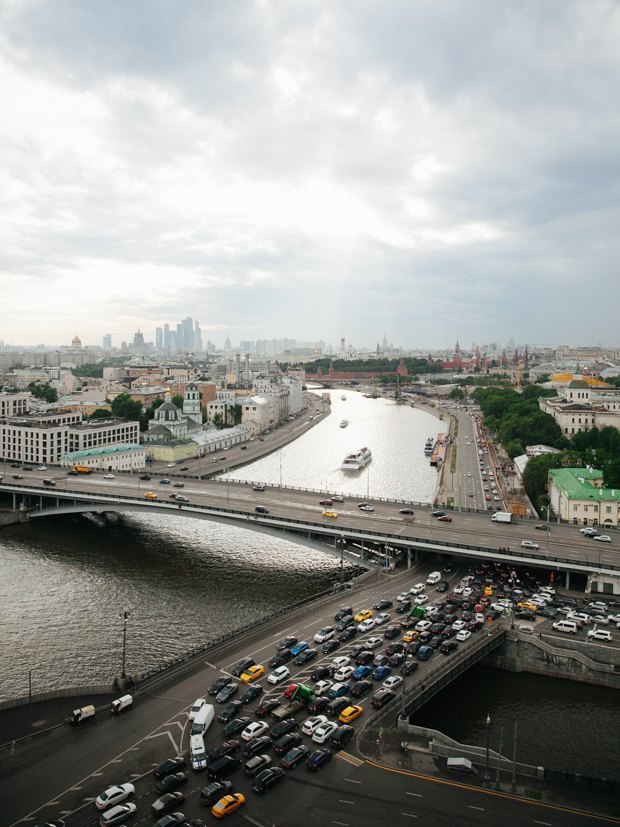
(383,533)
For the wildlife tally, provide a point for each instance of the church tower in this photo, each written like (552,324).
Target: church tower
(191,403)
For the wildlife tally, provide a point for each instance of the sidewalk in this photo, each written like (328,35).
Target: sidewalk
(23,721)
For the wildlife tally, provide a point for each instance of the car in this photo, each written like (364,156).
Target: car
(361,688)
(164,482)
(251,693)
(306,656)
(380,673)
(341,660)
(421,599)
(326,513)
(171,782)
(392,682)
(170,765)
(171,820)
(425,652)
(318,705)
(589,531)
(361,672)
(381,618)
(341,736)
(530,544)
(213,792)
(343,611)
(438,513)
(382,698)
(366,625)
(42,468)
(286,643)
(373,643)
(255,730)
(599,634)
(409,666)
(407,511)
(170,801)
(253,673)
(281,657)
(338,498)
(235,726)
(391,632)
(403,597)
(324,732)
(310,725)
(114,795)
(256,764)
(394,647)
(299,647)
(225,694)
(181,499)
(226,748)
(150,495)
(229,711)
(317,759)
(142,476)
(326,502)
(347,634)
(350,713)
(448,647)
(366,507)
(446,518)
(343,673)
(257,746)
(463,634)
(228,804)
(267,779)
(423,625)
(542,527)
(118,814)
(321,673)
(364,657)
(105,476)
(286,742)
(338,689)
(602,538)
(278,675)
(330,646)
(384,603)
(283,728)
(295,756)
(363,614)
(324,634)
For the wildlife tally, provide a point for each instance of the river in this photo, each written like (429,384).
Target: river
(63,583)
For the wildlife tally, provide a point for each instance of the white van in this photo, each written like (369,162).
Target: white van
(434,577)
(568,626)
(197,752)
(203,719)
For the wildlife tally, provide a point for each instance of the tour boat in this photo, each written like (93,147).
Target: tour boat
(356,460)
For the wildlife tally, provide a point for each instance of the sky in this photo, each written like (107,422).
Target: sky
(311,169)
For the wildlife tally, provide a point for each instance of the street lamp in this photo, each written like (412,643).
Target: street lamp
(487,776)
(124,614)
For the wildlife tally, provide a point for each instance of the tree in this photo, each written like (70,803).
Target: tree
(177,400)
(127,408)
(611,474)
(536,474)
(515,448)
(457,393)
(99,413)
(218,420)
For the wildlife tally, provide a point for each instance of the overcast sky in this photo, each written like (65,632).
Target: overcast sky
(311,169)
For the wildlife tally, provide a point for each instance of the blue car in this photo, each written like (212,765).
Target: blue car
(381,673)
(361,672)
(299,647)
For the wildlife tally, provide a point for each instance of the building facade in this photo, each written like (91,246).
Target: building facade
(577,496)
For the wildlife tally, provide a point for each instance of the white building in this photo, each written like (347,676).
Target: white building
(14,404)
(109,458)
(580,407)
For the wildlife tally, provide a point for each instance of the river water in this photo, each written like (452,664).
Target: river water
(63,583)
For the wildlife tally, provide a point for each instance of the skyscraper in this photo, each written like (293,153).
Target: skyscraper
(107,341)
(159,338)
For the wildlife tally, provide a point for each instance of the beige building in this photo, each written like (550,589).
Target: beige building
(580,407)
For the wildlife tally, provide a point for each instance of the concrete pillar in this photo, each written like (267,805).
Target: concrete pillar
(408,558)
(567,580)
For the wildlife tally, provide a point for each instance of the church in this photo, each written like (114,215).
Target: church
(172,423)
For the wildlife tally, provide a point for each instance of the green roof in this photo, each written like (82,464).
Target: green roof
(104,451)
(573,482)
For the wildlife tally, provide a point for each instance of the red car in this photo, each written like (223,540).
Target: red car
(326,502)
(445,519)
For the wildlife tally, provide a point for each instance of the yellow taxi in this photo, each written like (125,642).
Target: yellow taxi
(227,805)
(329,513)
(532,607)
(488,591)
(363,614)
(150,495)
(252,673)
(350,713)
(410,636)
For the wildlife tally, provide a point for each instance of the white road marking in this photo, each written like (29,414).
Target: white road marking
(344,801)
(341,823)
(352,780)
(545,823)
(417,795)
(410,815)
(471,807)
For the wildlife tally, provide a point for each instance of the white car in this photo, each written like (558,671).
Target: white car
(366,625)
(421,599)
(459,589)
(366,508)
(373,642)
(599,634)
(114,795)
(42,468)
(419,587)
(381,618)
(431,610)
(479,617)
(108,476)
(423,625)
(529,544)
(324,732)
(600,619)
(602,538)
(392,682)
(196,707)
(254,729)
(613,618)
(344,673)
(321,687)
(589,531)
(402,597)
(458,625)
(310,725)
(118,813)
(464,634)
(324,634)
(467,591)
(278,675)
(170,465)
(341,660)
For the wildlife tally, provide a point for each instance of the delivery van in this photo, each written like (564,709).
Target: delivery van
(203,719)
(121,704)
(463,765)
(433,578)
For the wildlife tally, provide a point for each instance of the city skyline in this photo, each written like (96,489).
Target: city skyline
(436,173)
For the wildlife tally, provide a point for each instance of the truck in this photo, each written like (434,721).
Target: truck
(85,713)
(300,698)
(203,719)
(121,704)
(82,469)
(501,517)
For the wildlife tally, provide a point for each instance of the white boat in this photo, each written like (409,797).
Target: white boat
(356,460)
(344,423)
(430,446)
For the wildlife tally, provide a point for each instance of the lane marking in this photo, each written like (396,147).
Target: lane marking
(410,815)
(341,823)
(417,795)
(352,780)
(545,823)
(471,807)
(344,801)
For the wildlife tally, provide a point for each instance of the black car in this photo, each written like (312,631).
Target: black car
(522,614)
(364,657)
(438,628)
(320,673)
(425,636)
(237,725)
(219,684)
(343,611)
(267,779)
(227,748)
(295,756)
(360,688)
(448,647)
(403,606)
(319,758)
(408,667)
(341,736)
(256,765)
(391,632)
(251,693)
(448,633)
(284,727)
(348,634)
(318,705)
(265,707)
(171,782)
(306,657)
(384,603)
(170,765)
(286,643)
(396,659)
(280,658)
(170,801)
(336,705)
(393,648)
(438,513)
(238,668)
(442,586)
(257,746)
(382,698)
(285,743)
(229,711)
(380,660)
(406,511)
(330,646)
(225,694)
(543,527)
(164,482)
(212,793)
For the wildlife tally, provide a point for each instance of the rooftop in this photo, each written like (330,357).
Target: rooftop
(575,484)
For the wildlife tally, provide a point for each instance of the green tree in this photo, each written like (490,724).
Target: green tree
(127,408)
(536,474)
(43,391)
(515,448)
(457,393)
(237,413)
(218,420)
(177,400)
(99,413)
(611,474)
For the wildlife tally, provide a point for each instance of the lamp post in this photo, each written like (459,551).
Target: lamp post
(548,510)
(124,614)
(487,776)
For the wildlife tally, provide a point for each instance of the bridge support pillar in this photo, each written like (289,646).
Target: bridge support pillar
(567,585)
(408,558)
